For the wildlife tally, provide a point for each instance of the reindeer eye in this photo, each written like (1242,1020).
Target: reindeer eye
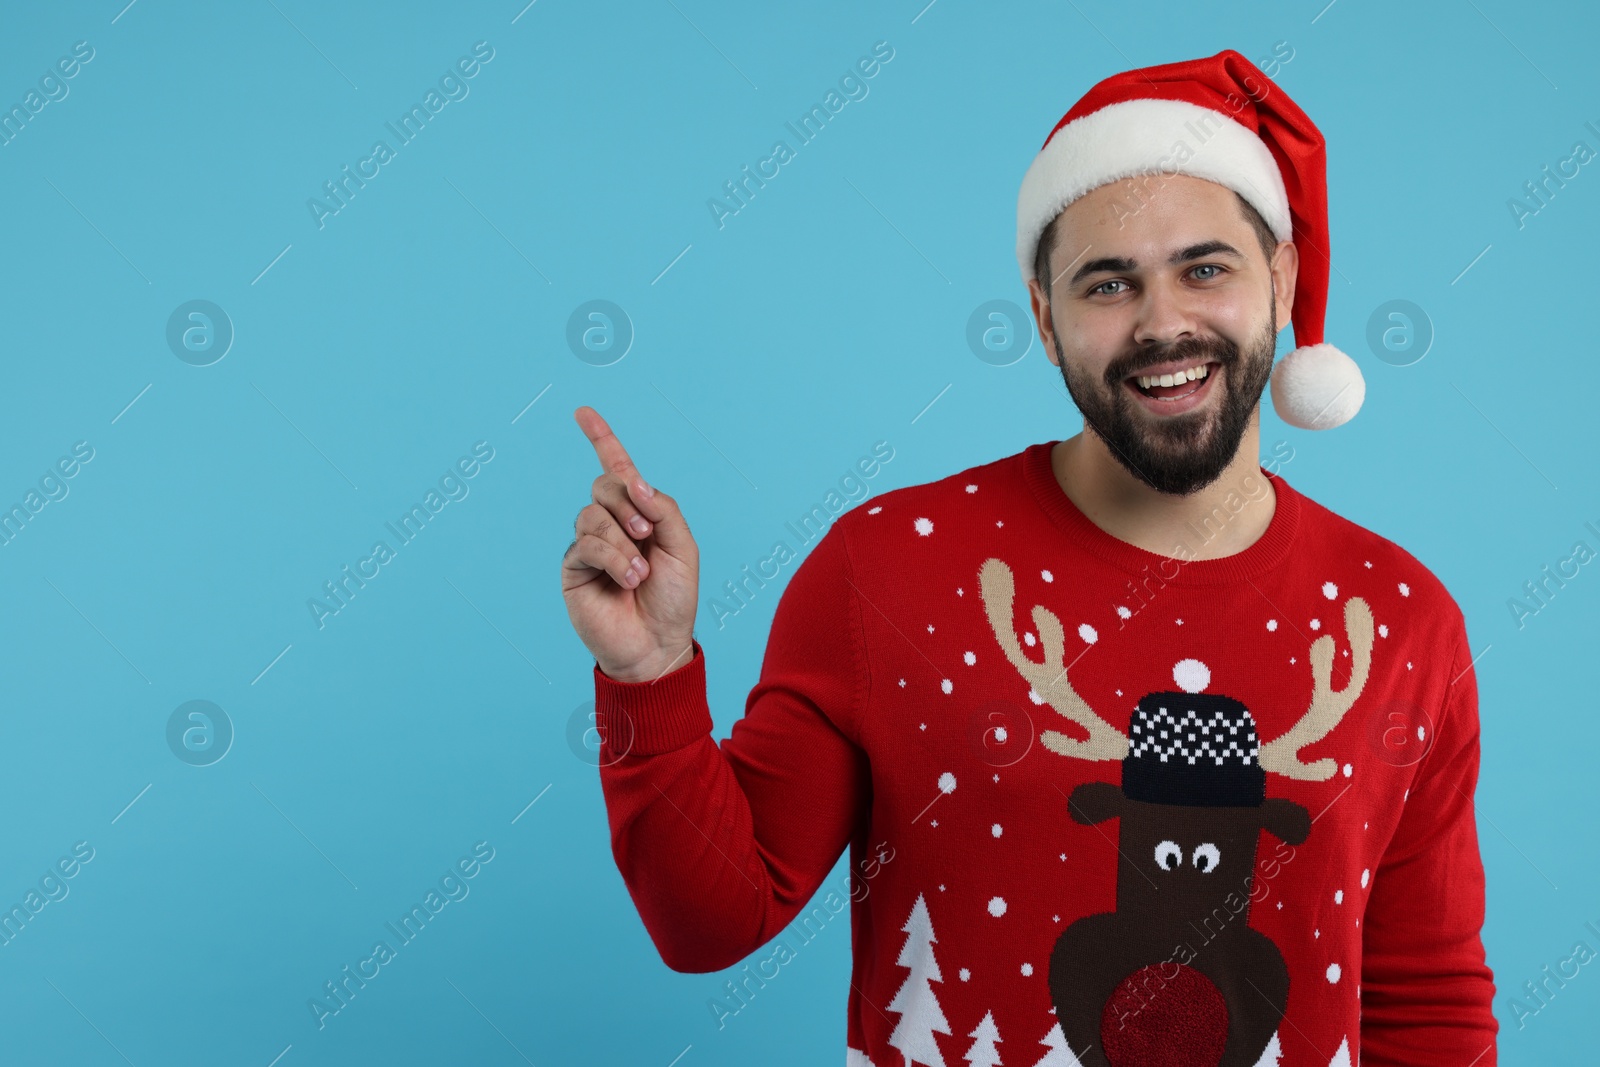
(1206,857)
(1169,857)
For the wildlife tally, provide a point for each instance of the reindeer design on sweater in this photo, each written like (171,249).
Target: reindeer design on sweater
(1191,806)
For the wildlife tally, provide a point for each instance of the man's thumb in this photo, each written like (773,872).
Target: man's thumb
(667,523)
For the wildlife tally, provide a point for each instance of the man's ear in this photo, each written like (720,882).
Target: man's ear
(1285,269)
(1042,318)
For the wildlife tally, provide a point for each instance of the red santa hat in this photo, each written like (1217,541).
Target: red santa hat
(1223,120)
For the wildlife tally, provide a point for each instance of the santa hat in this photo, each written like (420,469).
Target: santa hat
(1220,119)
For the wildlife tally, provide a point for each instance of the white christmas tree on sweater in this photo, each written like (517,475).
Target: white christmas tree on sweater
(983,1052)
(1059,1055)
(921,1017)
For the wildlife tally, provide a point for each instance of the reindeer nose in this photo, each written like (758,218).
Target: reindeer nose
(1153,1020)
(1191,675)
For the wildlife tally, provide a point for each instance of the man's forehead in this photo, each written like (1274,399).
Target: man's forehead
(1105,225)
(1162,195)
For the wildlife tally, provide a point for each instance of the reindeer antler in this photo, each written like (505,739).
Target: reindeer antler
(1049,679)
(1281,755)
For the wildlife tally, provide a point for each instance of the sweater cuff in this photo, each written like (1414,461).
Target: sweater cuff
(649,718)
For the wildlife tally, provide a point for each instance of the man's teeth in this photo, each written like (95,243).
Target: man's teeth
(1187,375)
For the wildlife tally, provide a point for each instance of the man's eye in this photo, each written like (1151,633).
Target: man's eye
(1102,286)
(1208,266)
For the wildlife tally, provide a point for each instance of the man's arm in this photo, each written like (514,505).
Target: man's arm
(720,847)
(1426,989)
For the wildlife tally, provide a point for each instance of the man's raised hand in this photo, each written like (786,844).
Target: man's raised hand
(631,576)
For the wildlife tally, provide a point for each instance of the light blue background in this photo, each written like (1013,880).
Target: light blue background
(825,316)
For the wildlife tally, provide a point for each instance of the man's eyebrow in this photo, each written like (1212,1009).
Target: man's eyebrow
(1123,265)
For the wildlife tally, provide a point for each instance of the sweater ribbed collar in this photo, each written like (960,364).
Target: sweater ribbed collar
(1269,550)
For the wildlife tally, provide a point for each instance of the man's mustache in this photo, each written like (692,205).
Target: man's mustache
(1218,350)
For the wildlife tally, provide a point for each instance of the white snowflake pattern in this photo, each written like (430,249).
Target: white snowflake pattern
(995,830)
(1272,624)
(947,782)
(1333,974)
(1330,590)
(1405,590)
(970,658)
(997,906)
(923,526)
(971,488)
(1383,629)
(1316,624)
(947,685)
(875,510)
(1123,612)
(1088,634)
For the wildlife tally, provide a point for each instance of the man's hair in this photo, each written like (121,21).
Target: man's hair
(1047,241)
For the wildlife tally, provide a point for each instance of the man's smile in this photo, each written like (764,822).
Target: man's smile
(1189,384)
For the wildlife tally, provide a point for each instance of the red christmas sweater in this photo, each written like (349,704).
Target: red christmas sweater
(1102,805)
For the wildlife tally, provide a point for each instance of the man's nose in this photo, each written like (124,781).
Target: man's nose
(1165,315)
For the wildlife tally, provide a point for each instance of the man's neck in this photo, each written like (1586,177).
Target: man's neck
(1209,524)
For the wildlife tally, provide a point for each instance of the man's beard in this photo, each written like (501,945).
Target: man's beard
(1178,454)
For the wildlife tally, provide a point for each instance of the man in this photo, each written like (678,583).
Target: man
(1142,757)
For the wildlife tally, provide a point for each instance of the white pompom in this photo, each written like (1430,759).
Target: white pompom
(1317,387)
(1191,675)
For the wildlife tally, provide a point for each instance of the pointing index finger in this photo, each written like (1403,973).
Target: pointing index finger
(614,459)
